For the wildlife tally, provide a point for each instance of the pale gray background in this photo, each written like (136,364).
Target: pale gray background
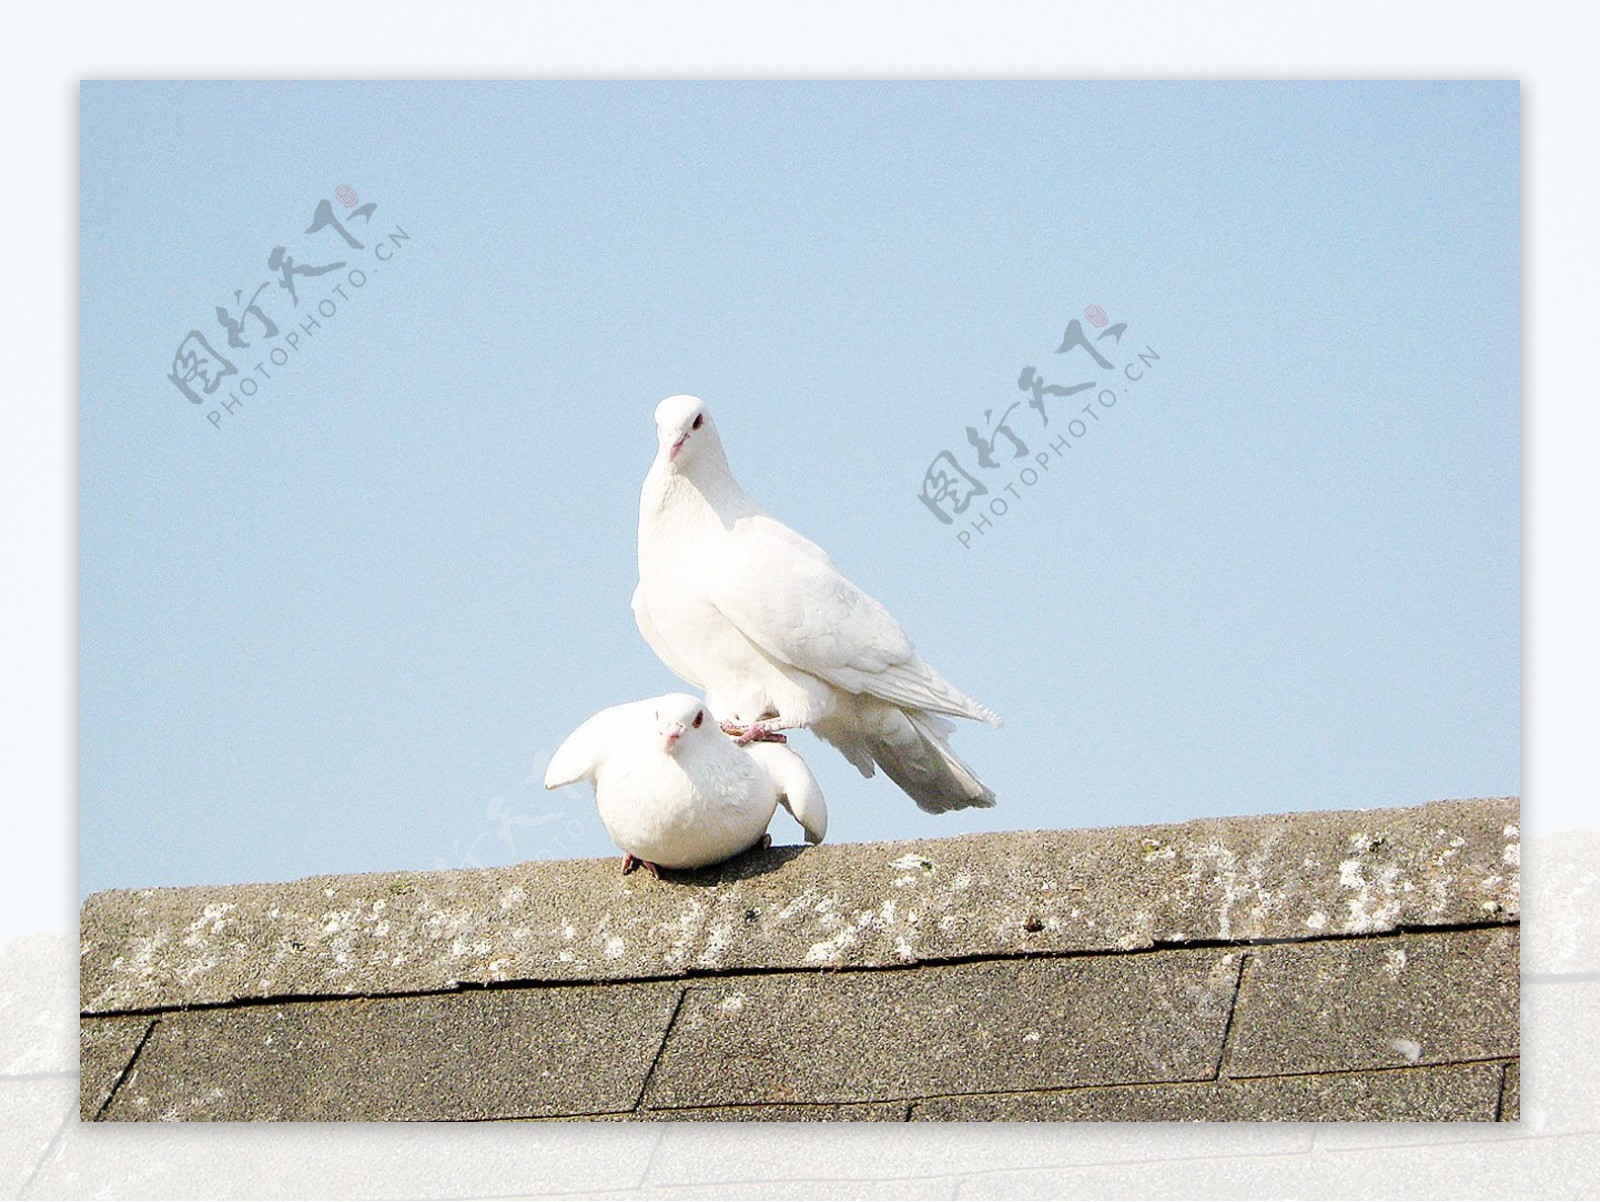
(1547,46)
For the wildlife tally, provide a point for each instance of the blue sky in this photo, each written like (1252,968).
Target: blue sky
(338,629)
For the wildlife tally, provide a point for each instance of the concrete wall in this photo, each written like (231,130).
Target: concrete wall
(1343,965)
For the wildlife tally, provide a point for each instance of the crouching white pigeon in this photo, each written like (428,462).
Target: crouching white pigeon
(675,791)
(757,617)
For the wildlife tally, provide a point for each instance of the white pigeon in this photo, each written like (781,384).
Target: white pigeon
(675,791)
(760,620)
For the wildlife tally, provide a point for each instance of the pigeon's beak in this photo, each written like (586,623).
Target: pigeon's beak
(672,451)
(669,741)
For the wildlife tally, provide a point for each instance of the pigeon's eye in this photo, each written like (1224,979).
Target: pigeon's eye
(700,717)
(699,420)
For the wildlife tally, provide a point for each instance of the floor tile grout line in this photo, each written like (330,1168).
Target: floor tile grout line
(49,1151)
(1233,1009)
(909,1103)
(650,1161)
(695,976)
(1189,1083)
(661,1048)
(1430,1066)
(126,1069)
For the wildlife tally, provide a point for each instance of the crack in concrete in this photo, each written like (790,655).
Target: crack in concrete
(126,1069)
(712,974)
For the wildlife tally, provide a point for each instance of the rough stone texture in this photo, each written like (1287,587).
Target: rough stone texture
(478,1055)
(106,1048)
(886,1112)
(1377,1003)
(960,1028)
(864,1112)
(1322,966)
(1511,1093)
(1291,876)
(1553,1089)
(1460,1093)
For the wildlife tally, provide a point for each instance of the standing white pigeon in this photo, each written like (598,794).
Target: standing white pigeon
(674,791)
(758,617)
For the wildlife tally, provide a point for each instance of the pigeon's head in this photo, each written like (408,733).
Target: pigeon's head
(683,427)
(680,717)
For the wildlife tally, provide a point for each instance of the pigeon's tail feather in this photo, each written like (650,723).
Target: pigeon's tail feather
(798,791)
(855,750)
(951,785)
(913,749)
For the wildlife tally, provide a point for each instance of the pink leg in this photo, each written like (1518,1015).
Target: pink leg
(756,732)
(630,862)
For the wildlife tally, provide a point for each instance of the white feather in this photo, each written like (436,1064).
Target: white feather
(758,616)
(673,790)
(798,791)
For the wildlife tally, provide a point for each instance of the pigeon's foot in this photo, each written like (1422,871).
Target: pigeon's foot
(755,732)
(631,861)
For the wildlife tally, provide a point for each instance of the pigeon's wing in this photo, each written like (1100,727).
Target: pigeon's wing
(580,756)
(652,636)
(784,595)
